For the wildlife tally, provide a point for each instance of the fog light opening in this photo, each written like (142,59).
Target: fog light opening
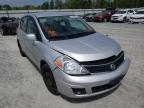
(79,91)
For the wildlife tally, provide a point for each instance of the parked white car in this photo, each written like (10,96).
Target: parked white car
(138,17)
(122,15)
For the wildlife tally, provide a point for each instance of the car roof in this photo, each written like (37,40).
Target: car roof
(46,14)
(125,9)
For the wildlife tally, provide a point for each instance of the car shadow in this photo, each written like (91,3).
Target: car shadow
(89,99)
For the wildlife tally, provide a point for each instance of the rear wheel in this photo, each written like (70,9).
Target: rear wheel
(49,79)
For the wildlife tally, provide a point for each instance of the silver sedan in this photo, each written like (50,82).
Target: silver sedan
(74,59)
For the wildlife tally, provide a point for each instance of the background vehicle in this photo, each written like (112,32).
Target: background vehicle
(104,16)
(8,25)
(122,15)
(138,17)
(84,15)
(90,17)
(74,60)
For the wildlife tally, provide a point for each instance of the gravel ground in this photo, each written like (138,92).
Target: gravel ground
(21,85)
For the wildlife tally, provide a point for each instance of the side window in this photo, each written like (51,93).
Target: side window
(32,28)
(77,25)
(130,11)
(23,24)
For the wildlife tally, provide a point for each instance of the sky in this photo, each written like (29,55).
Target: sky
(22,2)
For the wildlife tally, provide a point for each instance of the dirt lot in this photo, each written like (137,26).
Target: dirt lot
(21,85)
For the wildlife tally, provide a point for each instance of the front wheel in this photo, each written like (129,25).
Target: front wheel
(124,19)
(105,20)
(3,33)
(49,79)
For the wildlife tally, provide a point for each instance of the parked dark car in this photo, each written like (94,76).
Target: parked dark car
(90,17)
(104,16)
(85,15)
(8,26)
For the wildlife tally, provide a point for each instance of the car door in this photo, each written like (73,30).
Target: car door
(34,46)
(21,33)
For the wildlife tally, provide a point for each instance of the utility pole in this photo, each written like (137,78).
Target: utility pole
(48,4)
(109,3)
(51,4)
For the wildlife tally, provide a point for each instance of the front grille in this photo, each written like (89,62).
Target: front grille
(104,65)
(107,86)
(115,17)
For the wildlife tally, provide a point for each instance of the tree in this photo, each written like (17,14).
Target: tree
(0,7)
(78,4)
(140,3)
(90,3)
(28,7)
(45,5)
(102,3)
(7,7)
(59,4)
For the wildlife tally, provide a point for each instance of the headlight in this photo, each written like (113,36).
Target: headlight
(70,66)
(121,16)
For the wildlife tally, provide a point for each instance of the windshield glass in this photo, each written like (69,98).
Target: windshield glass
(64,27)
(120,12)
(140,12)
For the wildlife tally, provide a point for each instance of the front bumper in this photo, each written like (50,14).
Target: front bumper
(117,19)
(66,83)
(137,20)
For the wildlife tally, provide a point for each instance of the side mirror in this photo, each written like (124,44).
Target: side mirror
(31,37)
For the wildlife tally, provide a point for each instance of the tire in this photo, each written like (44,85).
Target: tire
(124,19)
(20,49)
(3,33)
(105,20)
(49,79)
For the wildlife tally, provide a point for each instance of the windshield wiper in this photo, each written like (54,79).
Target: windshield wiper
(71,36)
(81,34)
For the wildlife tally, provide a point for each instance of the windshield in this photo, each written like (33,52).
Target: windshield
(120,12)
(139,12)
(64,27)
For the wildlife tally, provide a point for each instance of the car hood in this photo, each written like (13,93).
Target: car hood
(88,48)
(118,14)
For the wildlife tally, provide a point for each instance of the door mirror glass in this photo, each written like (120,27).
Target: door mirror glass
(31,37)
